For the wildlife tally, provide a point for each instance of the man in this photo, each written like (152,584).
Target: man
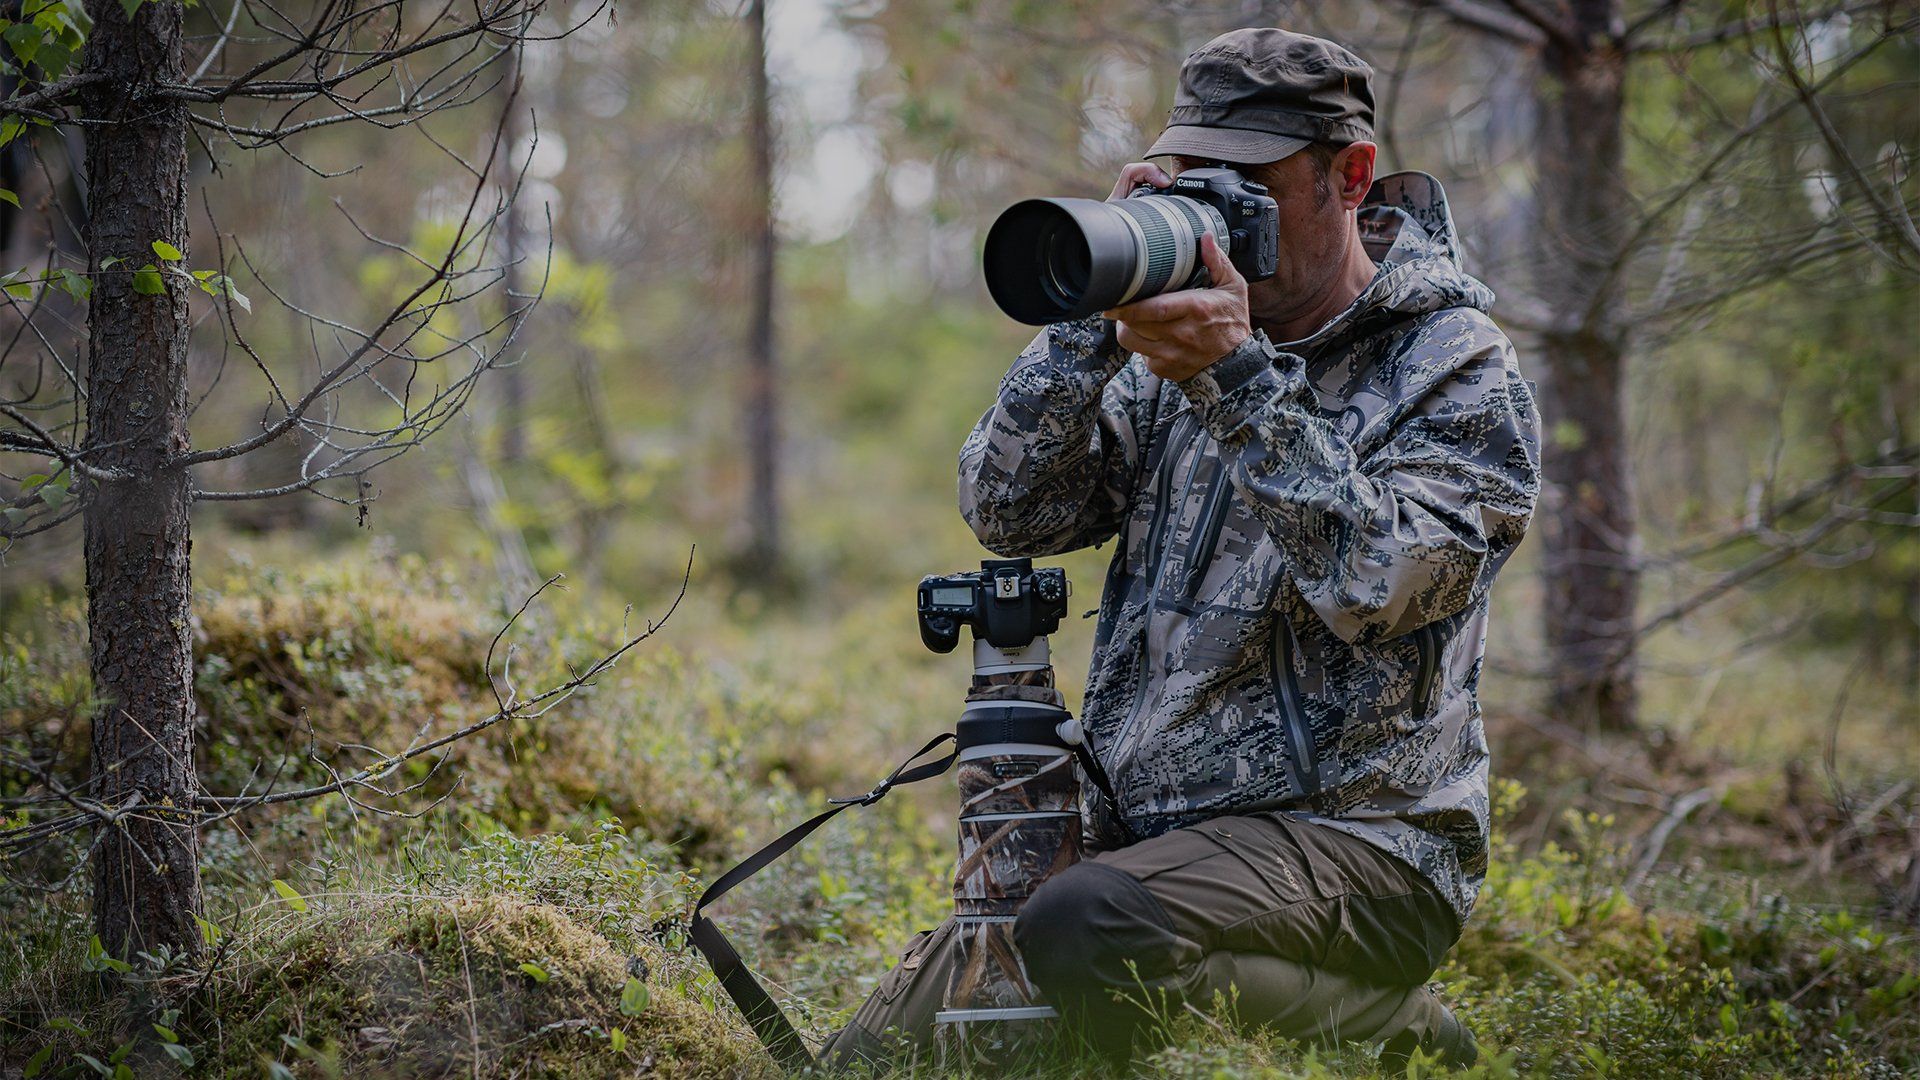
(1283,688)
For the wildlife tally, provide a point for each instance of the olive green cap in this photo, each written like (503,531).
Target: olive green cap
(1260,94)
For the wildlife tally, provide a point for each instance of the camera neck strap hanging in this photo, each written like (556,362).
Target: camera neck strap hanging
(762,1012)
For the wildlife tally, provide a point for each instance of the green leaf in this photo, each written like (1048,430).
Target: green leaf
(54,495)
(209,933)
(130,6)
(38,1061)
(109,261)
(535,971)
(166,1033)
(20,290)
(98,959)
(8,196)
(167,251)
(54,58)
(78,286)
(94,1062)
(290,894)
(634,998)
(618,1040)
(146,281)
(25,38)
(10,129)
(179,1053)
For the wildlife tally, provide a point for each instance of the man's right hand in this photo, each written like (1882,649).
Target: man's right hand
(1140,172)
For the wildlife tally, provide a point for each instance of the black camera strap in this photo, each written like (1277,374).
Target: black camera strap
(761,1011)
(1091,768)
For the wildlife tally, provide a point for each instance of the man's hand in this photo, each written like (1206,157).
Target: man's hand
(1181,333)
(1137,173)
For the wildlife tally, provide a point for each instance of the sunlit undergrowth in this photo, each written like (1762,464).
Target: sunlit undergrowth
(520,929)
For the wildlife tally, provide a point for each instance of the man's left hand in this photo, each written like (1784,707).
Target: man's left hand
(1181,333)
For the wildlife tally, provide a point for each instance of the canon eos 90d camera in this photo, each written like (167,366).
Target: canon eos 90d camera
(1049,260)
(1007,602)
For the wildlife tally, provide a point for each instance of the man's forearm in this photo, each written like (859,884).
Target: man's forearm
(1412,534)
(1046,469)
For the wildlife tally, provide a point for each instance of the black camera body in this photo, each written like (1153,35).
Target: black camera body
(1007,602)
(1252,217)
(1050,260)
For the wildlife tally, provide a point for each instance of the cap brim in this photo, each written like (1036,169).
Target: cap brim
(1225,144)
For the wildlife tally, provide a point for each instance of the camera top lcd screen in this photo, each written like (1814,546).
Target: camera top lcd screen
(953,596)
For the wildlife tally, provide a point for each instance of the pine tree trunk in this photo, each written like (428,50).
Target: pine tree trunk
(146,870)
(762,400)
(1589,528)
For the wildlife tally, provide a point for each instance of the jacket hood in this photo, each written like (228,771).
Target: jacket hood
(1408,231)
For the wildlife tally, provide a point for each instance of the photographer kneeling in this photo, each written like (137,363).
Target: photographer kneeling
(1283,687)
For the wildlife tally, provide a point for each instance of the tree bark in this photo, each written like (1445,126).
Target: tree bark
(762,391)
(1589,529)
(137,542)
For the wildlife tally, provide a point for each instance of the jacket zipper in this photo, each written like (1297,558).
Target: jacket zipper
(1151,570)
(1428,651)
(1287,688)
(1213,516)
(1163,494)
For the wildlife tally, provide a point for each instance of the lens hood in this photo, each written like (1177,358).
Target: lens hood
(1049,260)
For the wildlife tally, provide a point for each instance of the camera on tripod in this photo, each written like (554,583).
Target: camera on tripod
(1016,747)
(1007,602)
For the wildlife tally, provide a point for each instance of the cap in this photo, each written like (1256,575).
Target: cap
(1258,95)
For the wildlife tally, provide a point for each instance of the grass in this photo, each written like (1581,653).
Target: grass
(505,933)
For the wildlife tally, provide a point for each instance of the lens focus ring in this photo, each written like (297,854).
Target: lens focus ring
(1168,229)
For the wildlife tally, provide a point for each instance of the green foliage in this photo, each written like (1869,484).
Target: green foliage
(351,952)
(46,35)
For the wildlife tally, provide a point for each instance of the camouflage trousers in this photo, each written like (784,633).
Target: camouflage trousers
(1300,929)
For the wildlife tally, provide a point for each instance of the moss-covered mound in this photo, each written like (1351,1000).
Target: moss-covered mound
(463,987)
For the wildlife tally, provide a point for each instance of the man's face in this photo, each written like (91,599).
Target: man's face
(1316,200)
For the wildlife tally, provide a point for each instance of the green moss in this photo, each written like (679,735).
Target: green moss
(491,986)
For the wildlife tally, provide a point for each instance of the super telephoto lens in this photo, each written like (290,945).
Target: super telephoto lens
(1049,260)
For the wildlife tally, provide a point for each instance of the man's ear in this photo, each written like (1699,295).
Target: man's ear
(1353,173)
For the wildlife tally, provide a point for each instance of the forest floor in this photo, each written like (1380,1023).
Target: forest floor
(532,924)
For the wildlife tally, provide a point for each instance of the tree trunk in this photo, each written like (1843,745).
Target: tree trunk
(762,401)
(513,383)
(1589,529)
(146,869)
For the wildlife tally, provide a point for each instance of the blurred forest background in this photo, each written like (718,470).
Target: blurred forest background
(759,339)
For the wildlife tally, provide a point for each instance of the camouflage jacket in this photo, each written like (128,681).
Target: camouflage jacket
(1296,613)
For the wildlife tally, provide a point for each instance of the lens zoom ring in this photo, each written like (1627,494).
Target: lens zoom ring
(1161,248)
(1192,212)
